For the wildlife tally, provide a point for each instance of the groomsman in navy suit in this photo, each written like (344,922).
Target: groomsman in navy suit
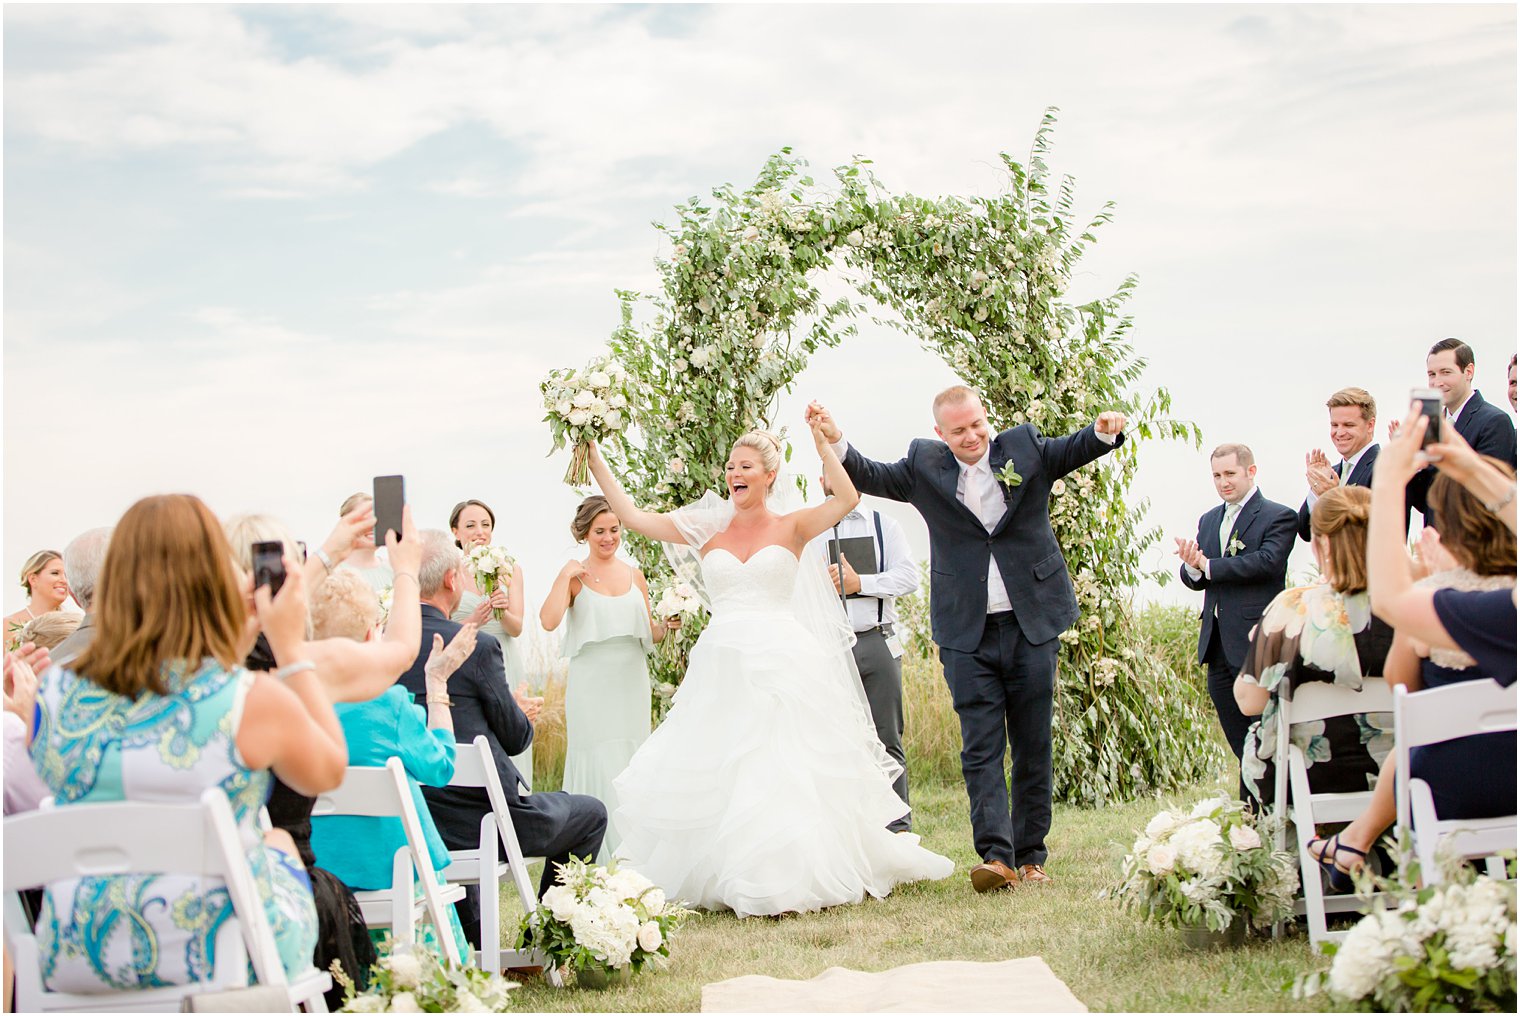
(1240,562)
(1449,369)
(999,597)
(1353,422)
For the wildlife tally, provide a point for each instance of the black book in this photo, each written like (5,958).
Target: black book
(860,551)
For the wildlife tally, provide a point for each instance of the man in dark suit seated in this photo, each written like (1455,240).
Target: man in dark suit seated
(1240,562)
(555,826)
(1488,429)
(1353,422)
(999,598)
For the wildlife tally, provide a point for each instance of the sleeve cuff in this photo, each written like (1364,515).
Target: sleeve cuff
(1107,439)
(840,447)
(1193,573)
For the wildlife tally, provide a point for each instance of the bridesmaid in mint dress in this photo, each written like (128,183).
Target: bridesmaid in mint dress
(473,523)
(604,604)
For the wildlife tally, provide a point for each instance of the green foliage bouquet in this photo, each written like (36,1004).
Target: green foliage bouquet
(1442,948)
(601,920)
(1207,867)
(417,981)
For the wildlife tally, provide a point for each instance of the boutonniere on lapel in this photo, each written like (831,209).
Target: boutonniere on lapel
(1235,546)
(1008,477)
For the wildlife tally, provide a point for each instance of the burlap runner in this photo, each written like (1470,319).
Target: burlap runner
(1024,985)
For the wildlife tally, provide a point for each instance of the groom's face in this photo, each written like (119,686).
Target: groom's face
(963,426)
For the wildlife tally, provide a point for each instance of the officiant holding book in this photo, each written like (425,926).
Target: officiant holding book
(871,565)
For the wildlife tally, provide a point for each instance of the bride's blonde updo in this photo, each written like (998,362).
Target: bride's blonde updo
(767,445)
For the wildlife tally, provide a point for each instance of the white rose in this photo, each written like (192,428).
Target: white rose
(1159,826)
(699,357)
(404,1002)
(579,417)
(599,379)
(598,407)
(561,902)
(676,466)
(678,365)
(1244,838)
(1058,488)
(1161,858)
(613,419)
(1207,807)
(583,399)
(406,971)
(751,234)
(650,938)
(563,407)
(654,899)
(854,239)
(617,400)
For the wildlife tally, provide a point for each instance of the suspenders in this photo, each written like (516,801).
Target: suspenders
(881,565)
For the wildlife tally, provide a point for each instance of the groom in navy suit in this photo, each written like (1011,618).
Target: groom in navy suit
(1240,561)
(999,597)
(1353,423)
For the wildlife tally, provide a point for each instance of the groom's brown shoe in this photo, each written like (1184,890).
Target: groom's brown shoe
(1033,873)
(992,875)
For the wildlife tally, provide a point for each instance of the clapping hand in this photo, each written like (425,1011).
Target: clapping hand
(443,661)
(1109,423)
(1319,474)
(1430,556)
(1188,551)
(531,705)
(21,684)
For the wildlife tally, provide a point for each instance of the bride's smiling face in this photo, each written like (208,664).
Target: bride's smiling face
(748,479)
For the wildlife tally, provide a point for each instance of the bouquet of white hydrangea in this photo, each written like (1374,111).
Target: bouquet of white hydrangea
(602,920)
(1206,867)
(1443,948)
(585,405)
(492,567)
(417,981)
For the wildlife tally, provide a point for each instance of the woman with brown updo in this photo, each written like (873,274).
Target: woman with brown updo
(46,589)
(609,630)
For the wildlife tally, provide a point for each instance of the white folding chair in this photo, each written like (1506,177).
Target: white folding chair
(1310,702)
(383,792)
(1430,717)
(475,767)
(199,839)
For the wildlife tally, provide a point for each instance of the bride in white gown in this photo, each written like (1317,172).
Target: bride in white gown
(765,790)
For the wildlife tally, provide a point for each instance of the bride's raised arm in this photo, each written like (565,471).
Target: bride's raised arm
(655,525)
(821,517)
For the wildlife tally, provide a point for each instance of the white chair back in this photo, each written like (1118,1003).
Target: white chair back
(1443,714)
(199,839)
(384,792)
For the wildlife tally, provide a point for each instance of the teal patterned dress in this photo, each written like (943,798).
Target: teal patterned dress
(125,932)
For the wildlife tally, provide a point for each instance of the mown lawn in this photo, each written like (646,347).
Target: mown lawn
(1107,957)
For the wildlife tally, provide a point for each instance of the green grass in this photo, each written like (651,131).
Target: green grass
(1107,957)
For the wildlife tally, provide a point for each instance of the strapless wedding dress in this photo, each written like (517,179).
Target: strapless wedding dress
(746,797)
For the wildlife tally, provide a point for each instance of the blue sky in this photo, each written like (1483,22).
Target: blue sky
(262,253)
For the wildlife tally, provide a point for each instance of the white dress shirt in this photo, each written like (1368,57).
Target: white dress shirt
(897,574)
(1224,535)
(1347,467)
(1451,415)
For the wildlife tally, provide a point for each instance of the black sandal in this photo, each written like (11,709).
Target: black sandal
(1338,877)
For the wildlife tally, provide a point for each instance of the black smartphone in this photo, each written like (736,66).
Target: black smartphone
(1430,404)
(269,565)
(390,498)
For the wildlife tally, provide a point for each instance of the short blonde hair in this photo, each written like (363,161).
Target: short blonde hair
(353,501)
(1358,397)
(1242,454)
(954,394)
(243,531)
(47,630)
(765,443)
(344,607)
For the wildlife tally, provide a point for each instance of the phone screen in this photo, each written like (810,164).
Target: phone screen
(1430,404)
(390,497)
(269,565)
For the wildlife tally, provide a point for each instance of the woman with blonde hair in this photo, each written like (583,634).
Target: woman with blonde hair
(1326,633)
(365,559)
(159,708)
(47,587)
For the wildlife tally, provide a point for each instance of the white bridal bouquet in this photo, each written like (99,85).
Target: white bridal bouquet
(417,981)
(1206,868)
(1443,948)
(585,405)
(492,568)
(677,601)
(602,921)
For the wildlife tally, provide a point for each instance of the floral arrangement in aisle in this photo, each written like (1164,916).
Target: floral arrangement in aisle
(602,920)
(1443,948)
(417,981)
(585,405)
(1206,868)
(492,567)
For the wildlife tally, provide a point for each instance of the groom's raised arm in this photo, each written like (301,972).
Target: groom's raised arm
(1061,455)
(892,480)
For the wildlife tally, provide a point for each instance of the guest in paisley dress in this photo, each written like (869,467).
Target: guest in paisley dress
(158,708)
(1324,632)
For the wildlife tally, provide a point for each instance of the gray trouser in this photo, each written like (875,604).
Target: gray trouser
(881,674)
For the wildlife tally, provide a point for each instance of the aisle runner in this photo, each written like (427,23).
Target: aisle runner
(1025,985)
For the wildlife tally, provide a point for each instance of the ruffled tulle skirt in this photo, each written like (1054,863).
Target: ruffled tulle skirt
(756,794)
